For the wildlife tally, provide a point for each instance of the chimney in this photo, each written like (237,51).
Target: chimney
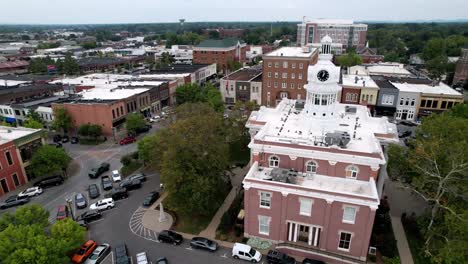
(363,83)
(355,79)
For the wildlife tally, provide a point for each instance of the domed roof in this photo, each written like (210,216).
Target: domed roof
(326,39)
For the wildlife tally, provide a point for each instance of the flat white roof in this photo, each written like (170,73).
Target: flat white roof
(384,68)
(330,21)
(12,82)
(108,93)
(358,81)
(440,88)
(8,134)
(291,52)
(101,79)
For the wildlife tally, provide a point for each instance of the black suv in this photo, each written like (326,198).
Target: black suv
(106,182)
(117,194)
(49,182)
(169,236)
(93,191)
(90,216)
(150,198)
(312,261)
(274,256)
(14,201)
(95,172)
(130,184)
(121,255)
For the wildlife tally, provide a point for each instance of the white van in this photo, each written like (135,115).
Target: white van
(246,252)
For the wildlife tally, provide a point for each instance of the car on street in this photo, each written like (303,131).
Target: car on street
(65,139)
(403,134)
(204,243)
(162,260)
(14,201)
(276,257)
(95,172)
(127,140)
(30,192)
(85,250)
(99,254)
(130,184)
(117,194)
(74,140)
(169,236)
(154,119)
(138,176)
(106,182)
(121,255)
(80,201)
(312,261)
(49,182)
(82,223)
(142,258)
(57,138)
(246,252)
(150,198)
(93,191)
(104,204)
(62,212)
(144,129)
(116,176)
(90,216)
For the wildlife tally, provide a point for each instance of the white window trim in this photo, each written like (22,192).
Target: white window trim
(260,199)
(268,219)
(316,166)
(356,209)
(303,199)
(350,240)
(348,168)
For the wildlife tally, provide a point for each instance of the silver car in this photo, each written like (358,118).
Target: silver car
(99,254)
(80,201)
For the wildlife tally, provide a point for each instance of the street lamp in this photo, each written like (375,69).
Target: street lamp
(70,207)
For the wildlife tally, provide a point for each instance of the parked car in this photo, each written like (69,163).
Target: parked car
(407,123)
(49,182)
(144,129)
(142,258)
(276,257)
(14,201)
(74,140)
(312,261)
(104,204)
(82,223)
(246,252)
(106,182)
(57,138)
(93,191)
(85,250)
(90,216)
(130,184)
(403,134)
(138,176)
(62,212)
(204,243)
(99,254)
(29,192)
(80,201)
(116,176)
(169,236)
(162,260)
(154,119)
(121,255)
(95,172)
(117,194)
(150,198)
(65,139)
(127,140)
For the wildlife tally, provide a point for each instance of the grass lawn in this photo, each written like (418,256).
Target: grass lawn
(192,224)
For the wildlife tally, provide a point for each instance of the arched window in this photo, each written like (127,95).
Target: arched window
(352,172)
(274,161)
(311,167)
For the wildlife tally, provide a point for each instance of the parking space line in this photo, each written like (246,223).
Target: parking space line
(189,248)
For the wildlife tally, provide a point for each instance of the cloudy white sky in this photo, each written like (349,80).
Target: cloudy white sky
(147,11)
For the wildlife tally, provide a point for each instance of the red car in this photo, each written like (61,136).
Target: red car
(127,140)
(62,212)
(85,250)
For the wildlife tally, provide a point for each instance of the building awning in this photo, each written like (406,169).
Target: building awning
(145,108)
(10,119)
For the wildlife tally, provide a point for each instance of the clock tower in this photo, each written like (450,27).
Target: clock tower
(322,87)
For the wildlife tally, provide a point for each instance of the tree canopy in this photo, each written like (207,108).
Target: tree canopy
(62,119)
(31,123)
(48,160)
(435,167)
(134,122)
(24,239)
(194,93)
(90,130)
(350,59)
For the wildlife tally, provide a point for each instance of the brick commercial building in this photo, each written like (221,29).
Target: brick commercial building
(17,91)
(359,90)
(285,73)
(343,32)
(17,145)
(317,172)
(242,85)
(220,52)
(461,72)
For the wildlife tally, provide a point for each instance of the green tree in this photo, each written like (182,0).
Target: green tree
(69,65)
(213,34)
(35,116)
(62,119)
(89,45)
(25,215)
(436,169)
(135,122)
(214,98)
(48,160)
(350,59)
(189,93)
(434,48)
(234,65)
(90,130)
(166,59)
(31,123)
(437,67)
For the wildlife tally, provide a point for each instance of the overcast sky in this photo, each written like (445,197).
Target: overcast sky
(147,11)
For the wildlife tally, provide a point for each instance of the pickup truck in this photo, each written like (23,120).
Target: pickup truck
(95,172)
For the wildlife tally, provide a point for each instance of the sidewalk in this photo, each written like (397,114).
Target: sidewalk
(402,243)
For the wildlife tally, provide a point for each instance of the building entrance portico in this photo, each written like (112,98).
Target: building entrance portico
(298,232)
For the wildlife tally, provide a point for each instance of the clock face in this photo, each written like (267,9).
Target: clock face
(323,75)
